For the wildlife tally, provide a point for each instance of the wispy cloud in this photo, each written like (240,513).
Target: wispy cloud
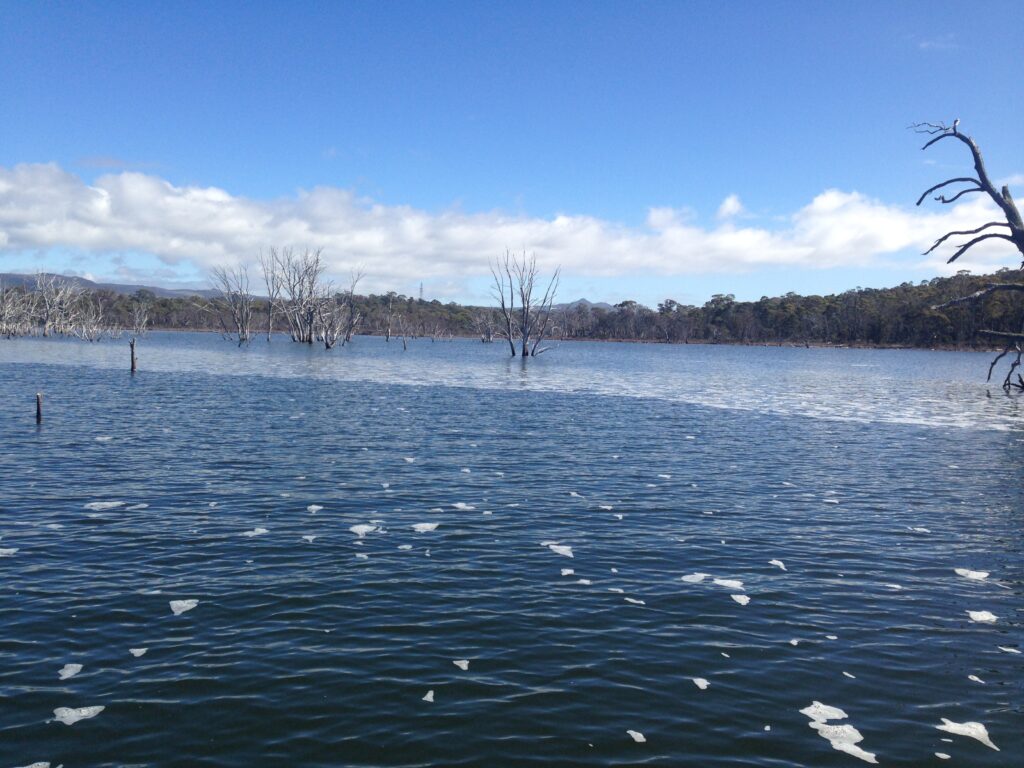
(45,208)
(946,42)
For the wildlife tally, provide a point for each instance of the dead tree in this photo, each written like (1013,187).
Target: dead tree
(272,280)
(232,283)
(516,277)
(353,315)
(140,322)
(330,319)
(89,318)
(1009,229)
(17,309)
(58,304)
(391,304)
(302,292)
(483,320)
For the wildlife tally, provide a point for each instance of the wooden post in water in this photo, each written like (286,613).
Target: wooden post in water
(39,407)
(132,345)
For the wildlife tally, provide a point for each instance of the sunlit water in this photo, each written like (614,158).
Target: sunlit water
(869,475)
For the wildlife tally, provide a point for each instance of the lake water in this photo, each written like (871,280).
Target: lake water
(353,522)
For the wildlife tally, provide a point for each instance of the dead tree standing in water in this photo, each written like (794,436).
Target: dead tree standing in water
(140,322)
(517,277)
(235,298)
(272,280)
(1011,230)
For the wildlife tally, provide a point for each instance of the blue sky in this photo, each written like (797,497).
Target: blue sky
(146,142)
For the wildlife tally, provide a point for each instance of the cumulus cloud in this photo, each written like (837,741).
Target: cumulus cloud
(44,207)
(730,207)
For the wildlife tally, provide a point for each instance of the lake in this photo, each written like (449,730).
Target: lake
(636,554)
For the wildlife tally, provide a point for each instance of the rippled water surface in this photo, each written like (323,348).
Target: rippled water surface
(353,522)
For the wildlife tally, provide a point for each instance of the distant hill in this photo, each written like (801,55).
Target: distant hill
(585,304)
(14,280)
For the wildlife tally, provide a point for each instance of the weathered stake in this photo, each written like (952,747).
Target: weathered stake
(132,345)
(39,407)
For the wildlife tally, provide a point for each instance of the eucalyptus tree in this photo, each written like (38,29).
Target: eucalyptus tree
(518,277)
(1008,228)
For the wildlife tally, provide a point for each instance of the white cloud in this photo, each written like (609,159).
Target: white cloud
(44,207)
(730,207)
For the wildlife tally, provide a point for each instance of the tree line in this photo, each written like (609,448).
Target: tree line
(314,311)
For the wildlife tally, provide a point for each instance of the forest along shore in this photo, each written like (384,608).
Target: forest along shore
(901,317)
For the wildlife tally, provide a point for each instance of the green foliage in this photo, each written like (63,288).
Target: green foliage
(899,316)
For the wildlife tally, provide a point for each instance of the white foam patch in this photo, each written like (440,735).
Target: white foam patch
(462,664)
(314,508)
(575,495)
(665,477)
(969,574)
(409,459)
(362,529)
(138,653)
(463,506)
(606,507)
(100,506)
(778,564)
(843,738)
(617,590)
(741,599)
(255,532)
(695,578)
(465,470)
(918,529)
(728,583)
(103,439)
(584,582)
(568,572)
(361,556)
(69,671)
(8,551)
(634,601)
(847,674)
(310,538)
(638,737)
(70,716)
(561,549)
(425,527)
(429,698)
(975,679)
(942,756)
(136,507)
(701,683)
(1008,649)
(983,617)
(179,607)
(971,730)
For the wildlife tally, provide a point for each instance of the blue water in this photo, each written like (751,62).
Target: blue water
(870,474)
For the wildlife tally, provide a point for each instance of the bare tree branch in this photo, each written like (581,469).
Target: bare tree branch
(963,248)
(948,235)
(959,179)
(986,291)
